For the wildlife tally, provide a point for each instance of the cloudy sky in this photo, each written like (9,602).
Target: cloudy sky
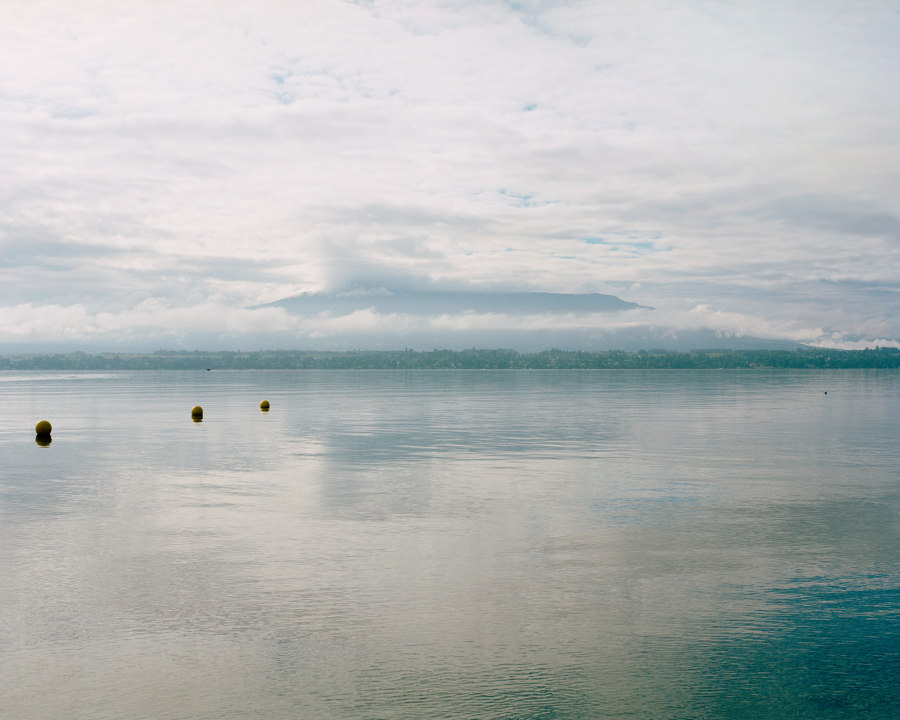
(166,166)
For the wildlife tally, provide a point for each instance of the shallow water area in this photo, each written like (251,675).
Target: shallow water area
(442,544)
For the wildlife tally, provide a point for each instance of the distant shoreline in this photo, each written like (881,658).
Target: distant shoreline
(473,359)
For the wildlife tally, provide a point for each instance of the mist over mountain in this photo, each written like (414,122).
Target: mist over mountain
(439,302)
(525,321)
(375,317)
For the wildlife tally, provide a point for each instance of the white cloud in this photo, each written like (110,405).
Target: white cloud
(221,154)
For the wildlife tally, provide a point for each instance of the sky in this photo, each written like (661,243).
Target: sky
(167,167)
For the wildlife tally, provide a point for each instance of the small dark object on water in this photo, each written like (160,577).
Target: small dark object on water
(264,406)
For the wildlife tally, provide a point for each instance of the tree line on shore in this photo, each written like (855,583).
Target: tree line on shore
(472,359)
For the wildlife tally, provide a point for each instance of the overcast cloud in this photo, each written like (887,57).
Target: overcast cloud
(166,166)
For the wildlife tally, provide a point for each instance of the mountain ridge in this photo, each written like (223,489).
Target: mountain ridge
(440,302)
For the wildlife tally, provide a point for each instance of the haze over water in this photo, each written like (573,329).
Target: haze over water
(442,544)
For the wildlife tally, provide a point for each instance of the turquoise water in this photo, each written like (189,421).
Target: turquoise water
(562,544)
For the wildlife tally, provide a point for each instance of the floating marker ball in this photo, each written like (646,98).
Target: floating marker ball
(196,411)
(43,428)
(264,405)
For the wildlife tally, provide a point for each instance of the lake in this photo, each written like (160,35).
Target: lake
(450,544)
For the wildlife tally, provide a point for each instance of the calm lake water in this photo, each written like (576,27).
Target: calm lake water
(441,544)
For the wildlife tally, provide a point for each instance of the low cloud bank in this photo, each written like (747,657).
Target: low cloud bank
(153,324)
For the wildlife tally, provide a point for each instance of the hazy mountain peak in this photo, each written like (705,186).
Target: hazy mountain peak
(440,302)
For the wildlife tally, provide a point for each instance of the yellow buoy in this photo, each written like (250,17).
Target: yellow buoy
(196,411)
(43,428)
(264,405)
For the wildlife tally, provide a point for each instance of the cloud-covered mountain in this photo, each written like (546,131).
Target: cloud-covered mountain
(384,318)
(437,302)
